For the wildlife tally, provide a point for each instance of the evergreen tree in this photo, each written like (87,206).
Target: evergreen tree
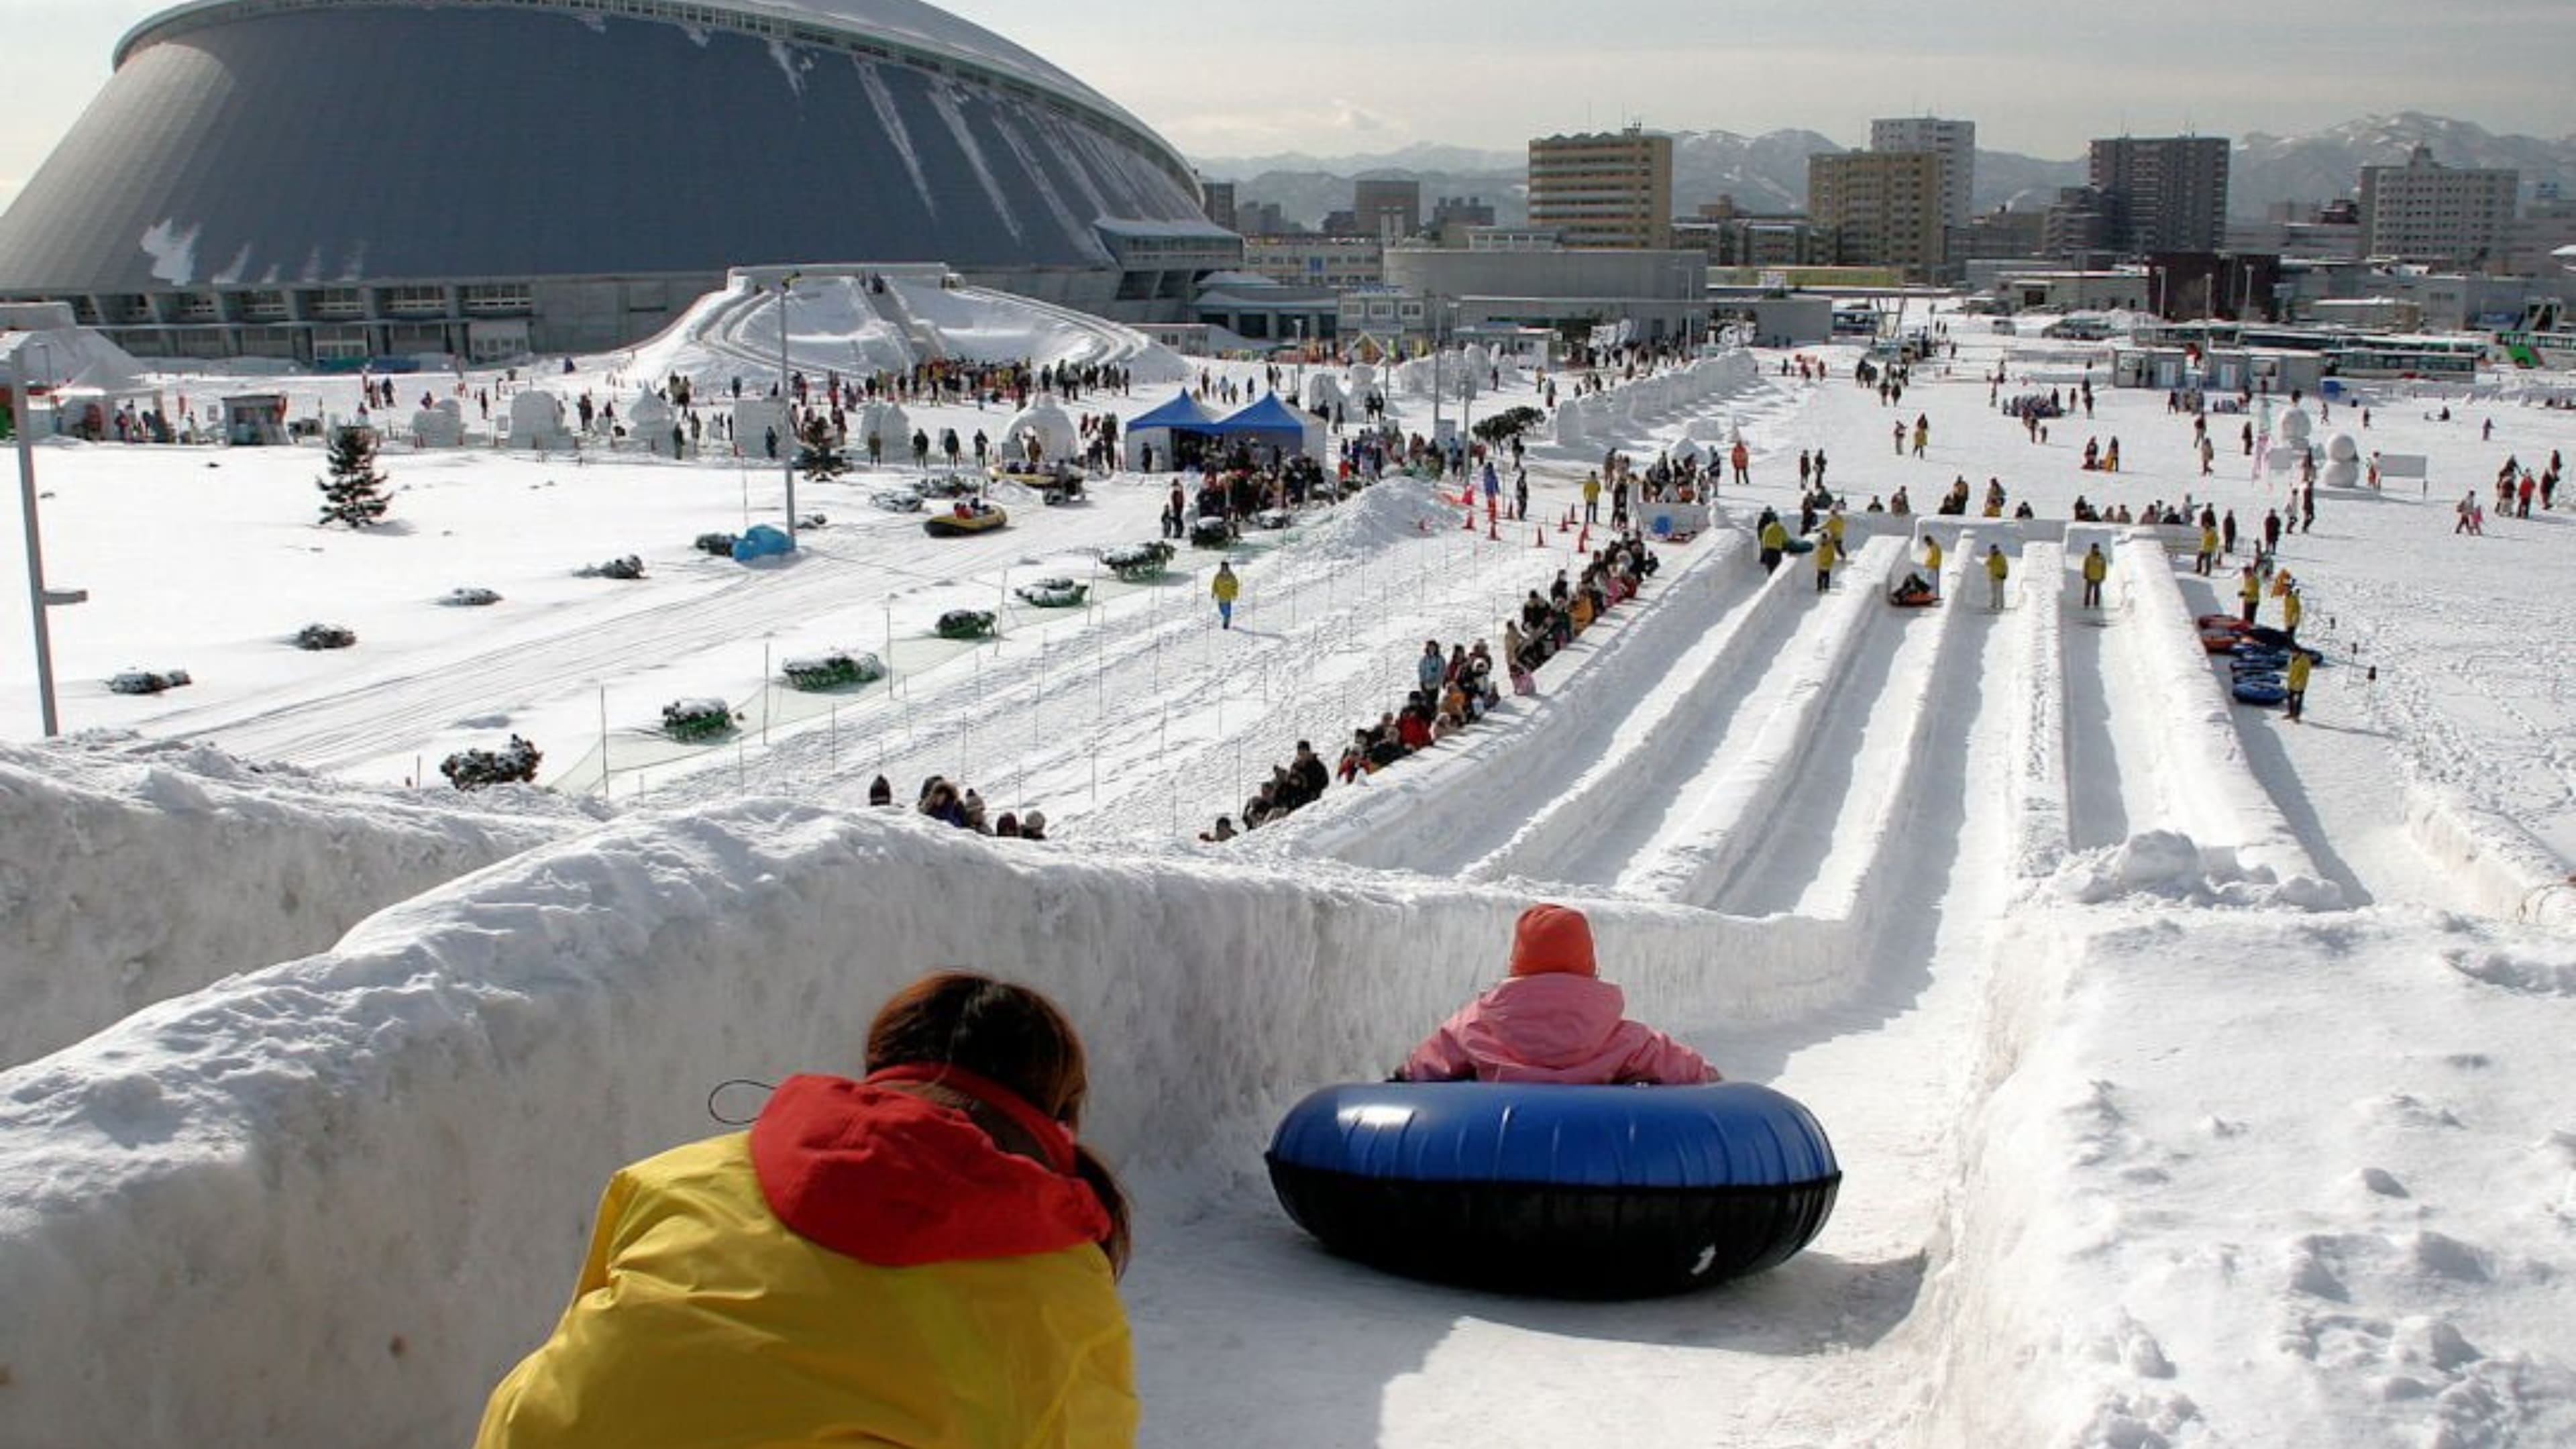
(354,492)
(818,460)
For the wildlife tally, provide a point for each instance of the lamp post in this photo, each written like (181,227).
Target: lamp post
(787,406)
(39,598)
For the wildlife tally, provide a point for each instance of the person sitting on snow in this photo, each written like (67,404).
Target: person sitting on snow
(1554,1021)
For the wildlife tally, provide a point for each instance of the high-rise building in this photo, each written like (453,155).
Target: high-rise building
(1387,210)
(1218,199)
(2163,194)
(1606,190)
(1883,208)
(1955,142)
(2426,212)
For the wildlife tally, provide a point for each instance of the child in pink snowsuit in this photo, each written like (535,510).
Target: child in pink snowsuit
(1553,1021)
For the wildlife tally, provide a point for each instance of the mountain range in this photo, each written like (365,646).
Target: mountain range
(1769,172)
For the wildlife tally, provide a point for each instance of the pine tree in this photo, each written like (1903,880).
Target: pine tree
(818,459)
(354,492)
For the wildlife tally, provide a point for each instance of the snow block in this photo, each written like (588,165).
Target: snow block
(1569,1192)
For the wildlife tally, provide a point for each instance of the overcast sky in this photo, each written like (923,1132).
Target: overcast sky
(1338,77)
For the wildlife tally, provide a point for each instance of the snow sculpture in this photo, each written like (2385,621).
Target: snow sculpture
(537,421)
(1324,393)
(1572,430)
(888,423)
(1057,437)
(649,418)
(2295,426)
(442,426)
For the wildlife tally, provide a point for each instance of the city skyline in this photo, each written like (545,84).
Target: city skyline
(1349,78)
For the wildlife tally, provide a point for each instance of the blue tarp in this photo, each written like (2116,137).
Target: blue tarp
(761,541)
(1181,412)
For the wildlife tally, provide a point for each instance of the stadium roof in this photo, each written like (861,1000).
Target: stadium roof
(902,30)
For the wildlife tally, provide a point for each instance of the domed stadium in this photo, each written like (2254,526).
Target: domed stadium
(333,180)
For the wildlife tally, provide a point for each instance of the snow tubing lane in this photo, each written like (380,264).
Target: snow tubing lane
(1564,1192)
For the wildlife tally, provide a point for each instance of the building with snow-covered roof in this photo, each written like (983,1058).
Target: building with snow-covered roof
(330,180)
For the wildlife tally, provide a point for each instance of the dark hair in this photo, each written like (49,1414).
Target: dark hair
(1009,1035)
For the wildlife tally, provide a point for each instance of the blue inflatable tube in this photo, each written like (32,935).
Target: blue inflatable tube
(1570,1192)
(2264,689)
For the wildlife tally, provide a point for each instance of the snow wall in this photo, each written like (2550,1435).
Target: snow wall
(298,1206)
(247,866)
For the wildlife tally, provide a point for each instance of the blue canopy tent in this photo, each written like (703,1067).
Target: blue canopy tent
(1272,423)
(1163,428)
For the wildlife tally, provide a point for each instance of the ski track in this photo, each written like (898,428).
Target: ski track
(1736,789)
(1830,822)
(351,722)
(1594,829)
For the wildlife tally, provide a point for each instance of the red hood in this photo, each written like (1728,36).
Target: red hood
(889,1178)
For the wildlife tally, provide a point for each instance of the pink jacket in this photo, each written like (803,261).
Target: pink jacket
(1556,1027)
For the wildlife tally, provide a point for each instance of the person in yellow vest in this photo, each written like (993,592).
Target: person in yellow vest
(1932,562)
(1226,588)
(2291,610)
(1997,570)
(1775,542)
(1835,523)
(2249,592)
(1828,552)
(1592,498)
(921,1257)
(2208,550)
(2294,685)
(2096,569)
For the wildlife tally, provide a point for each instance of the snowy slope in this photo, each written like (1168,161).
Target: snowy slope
(2196,1076)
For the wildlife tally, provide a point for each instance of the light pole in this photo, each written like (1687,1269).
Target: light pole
(786,407)
(39,598)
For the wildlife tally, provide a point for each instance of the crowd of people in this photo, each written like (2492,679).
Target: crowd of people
(948,803)
(1454,687)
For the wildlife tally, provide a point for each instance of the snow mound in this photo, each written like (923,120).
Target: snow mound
(2167,865)
(2517,971)
(246,865)
(1384,513)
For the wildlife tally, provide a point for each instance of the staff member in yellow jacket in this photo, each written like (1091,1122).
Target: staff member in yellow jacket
(1226,589)
(2096,569)
(1997,570)
(2249,593)
(1828,553)
(923,1258)
(1932,562)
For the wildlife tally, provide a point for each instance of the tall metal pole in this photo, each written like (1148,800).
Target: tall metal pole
(786,412)
(21,417)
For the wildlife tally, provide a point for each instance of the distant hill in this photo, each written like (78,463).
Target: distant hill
(1769,172)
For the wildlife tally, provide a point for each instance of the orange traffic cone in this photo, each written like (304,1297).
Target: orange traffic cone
(1583,540)
(1566,524)
(1470,523)
(1492,530)
(1538,536)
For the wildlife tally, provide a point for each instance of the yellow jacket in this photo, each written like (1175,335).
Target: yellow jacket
(2291,609)
(1996,567)
(2096,567)
(1827,551)
(703,1321)
(2297,678)
(2249,588)
(1227,588)
(1932,554)
(1775,535)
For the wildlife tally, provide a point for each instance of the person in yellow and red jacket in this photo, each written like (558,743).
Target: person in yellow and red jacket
(922,1259)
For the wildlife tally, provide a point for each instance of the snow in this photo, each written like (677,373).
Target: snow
(2198,1077)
